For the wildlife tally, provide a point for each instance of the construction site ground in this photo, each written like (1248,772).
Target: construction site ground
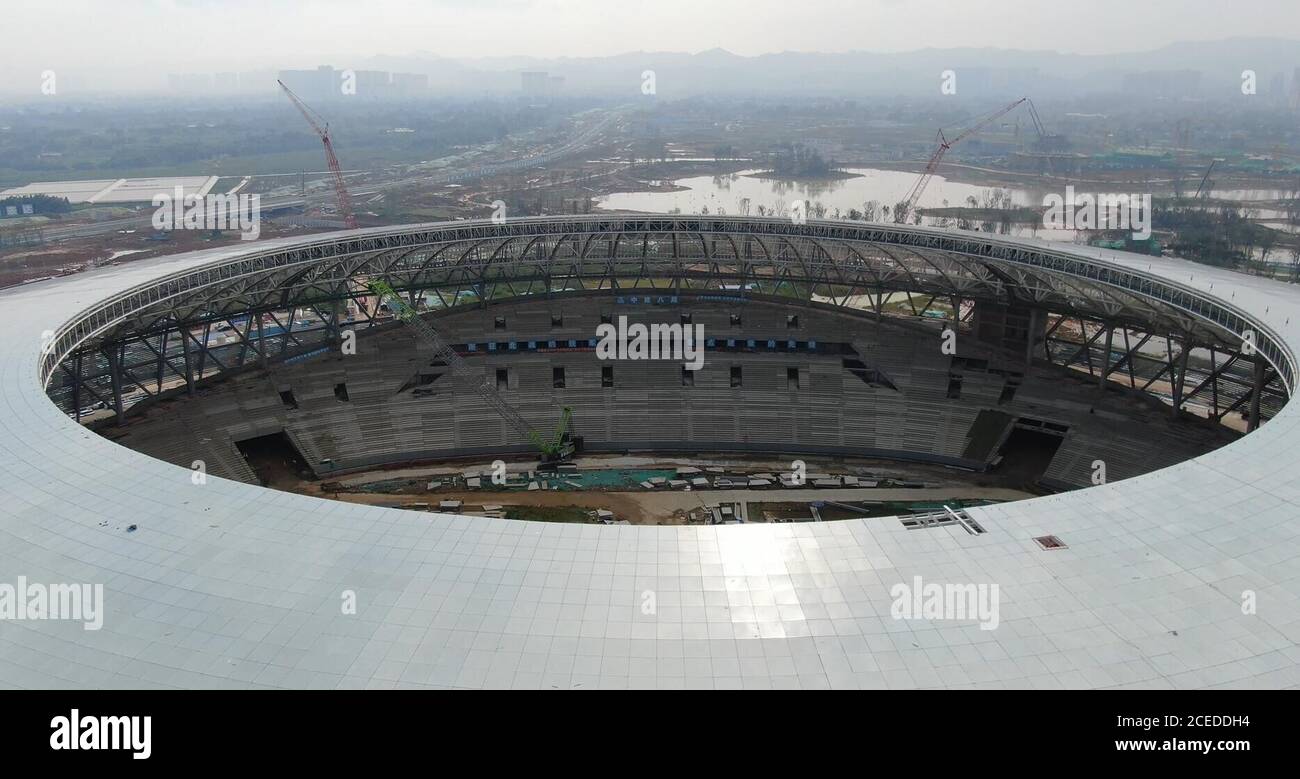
(665,506)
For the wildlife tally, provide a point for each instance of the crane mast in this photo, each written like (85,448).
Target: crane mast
(1206,178)
(322,129)
(554,449)
(904,208)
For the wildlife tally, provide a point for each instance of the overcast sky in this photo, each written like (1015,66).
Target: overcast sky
(158,36)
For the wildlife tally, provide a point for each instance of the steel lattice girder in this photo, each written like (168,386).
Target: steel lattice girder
(1229,379)
(798,262)
(584,253)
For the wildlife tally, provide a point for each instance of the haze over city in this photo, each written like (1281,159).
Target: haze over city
(140,41)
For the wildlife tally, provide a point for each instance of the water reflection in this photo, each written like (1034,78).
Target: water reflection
(723,194)
(867,194)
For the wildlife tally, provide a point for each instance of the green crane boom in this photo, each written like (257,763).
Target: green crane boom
(556,449)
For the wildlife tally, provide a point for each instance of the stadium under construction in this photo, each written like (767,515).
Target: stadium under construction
(138,398)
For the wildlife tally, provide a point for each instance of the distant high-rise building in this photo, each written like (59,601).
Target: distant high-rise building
(1163,83)
(410,84)
(258,82)
(1277,89)
(534,82)
(323,83)
(320,84)
(997,81)
(373,84)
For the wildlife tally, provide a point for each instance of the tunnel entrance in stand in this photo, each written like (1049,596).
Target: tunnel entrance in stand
(1028,450)
(275,460)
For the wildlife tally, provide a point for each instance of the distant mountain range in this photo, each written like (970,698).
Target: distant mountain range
(1194,68)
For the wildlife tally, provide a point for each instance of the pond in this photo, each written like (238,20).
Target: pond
(726,192)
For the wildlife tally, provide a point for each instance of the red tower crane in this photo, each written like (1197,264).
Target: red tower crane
(904,208)
(322,129)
